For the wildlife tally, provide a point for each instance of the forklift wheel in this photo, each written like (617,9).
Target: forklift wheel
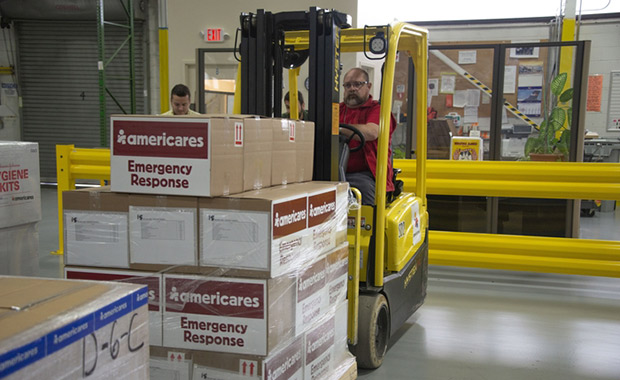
(373,330)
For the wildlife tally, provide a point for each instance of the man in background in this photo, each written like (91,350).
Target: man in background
(180,100)
(303,113)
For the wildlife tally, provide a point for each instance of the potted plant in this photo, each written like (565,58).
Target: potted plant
(553,138)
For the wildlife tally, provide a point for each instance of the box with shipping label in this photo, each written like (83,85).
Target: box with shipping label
(268,230)
(153,281)
(284,155)
(320,288)
(19,250)
(304,141)
(95,228)
(20,187)
(199,156)
(285,363)
(53,329)
(320,352)
(257,151)
(162,230)
(234,315)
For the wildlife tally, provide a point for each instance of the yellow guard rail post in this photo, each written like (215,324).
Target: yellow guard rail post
(76,163)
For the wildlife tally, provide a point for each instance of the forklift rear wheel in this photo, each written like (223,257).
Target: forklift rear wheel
(373,330)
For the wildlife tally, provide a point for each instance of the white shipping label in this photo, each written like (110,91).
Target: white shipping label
(415,222)
(234,239)
(215,314)
(96,238)
(162,235)
(166,369)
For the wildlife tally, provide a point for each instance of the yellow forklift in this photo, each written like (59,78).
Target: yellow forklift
(388,261)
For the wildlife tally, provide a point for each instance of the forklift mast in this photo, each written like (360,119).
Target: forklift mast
(264,57)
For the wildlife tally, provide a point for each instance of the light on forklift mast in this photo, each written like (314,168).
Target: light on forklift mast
(378,44)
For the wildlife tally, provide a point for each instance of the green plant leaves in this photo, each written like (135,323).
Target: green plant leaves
(557,118)
(566,95)
(557,84)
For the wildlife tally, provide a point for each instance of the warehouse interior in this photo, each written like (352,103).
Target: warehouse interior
(502,319)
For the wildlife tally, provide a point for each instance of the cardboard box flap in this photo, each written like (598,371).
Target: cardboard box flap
(26,302)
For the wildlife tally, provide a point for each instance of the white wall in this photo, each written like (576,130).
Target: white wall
(186,19)
(604,57)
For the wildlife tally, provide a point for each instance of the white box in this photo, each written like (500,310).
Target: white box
(20,187)
(320,288)
(325,344)
(153,281)
(273,230)
(61,329)
(96,231)
(19,250)
(176,155)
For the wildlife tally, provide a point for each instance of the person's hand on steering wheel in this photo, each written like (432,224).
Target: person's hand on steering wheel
(356,132)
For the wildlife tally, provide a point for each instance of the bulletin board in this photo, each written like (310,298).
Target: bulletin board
(482,69)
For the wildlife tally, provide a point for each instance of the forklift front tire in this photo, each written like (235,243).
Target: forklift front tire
(373,330)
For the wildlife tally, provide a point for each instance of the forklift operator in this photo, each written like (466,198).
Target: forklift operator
(360,110)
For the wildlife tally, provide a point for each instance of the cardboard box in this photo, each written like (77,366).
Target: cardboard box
(153,281)
(321,287)
(19,250)
(96,228)
(234,315)
(273,230)
(320,353)
(20,185)
(325,344)
(284,155)
(346,369)
(304,141)
(162,230)
(52,329)
(199,156)
(257,151)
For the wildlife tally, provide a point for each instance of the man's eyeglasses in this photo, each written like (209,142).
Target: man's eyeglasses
(355,85)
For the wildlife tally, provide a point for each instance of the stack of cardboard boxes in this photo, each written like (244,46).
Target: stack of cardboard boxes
(59,329)
(245,259)
(20,208)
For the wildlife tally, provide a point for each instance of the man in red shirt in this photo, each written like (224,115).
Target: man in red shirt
(361,111)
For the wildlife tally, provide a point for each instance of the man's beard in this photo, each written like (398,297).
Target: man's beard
(353,100)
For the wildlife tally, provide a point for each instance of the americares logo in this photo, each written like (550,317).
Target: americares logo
(161,140)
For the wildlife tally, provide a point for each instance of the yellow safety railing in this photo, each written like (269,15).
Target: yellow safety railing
(521,179)
(77,163)
(525,253)
(561,180)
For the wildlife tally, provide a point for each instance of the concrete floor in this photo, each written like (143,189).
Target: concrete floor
(485,324)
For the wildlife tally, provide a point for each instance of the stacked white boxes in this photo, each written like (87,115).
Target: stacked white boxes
(60,329)
(20,208)
(240,284)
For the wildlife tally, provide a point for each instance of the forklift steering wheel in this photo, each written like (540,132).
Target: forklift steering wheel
(356,132)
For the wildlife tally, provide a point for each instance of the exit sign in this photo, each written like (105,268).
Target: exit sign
(213,35)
